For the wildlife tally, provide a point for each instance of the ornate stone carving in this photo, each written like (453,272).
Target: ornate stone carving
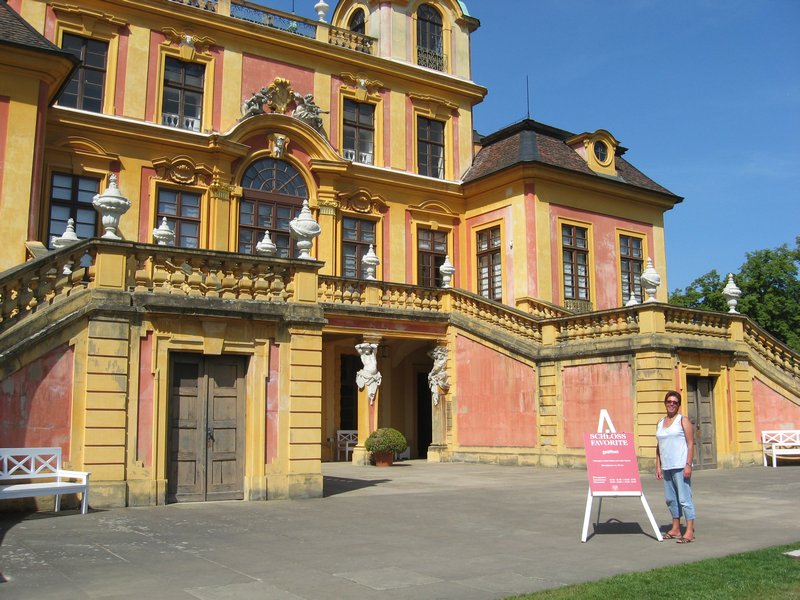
(308,111)
(361,201)
(437,378)
(182,39)
(181,169)
(266,247)
(279,144)
(368,376)
(254,105)
(359,81)
(279,95)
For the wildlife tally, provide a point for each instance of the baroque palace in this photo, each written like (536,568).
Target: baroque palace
(230,233)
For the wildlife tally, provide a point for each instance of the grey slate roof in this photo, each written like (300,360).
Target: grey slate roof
(16,31)
(531,142)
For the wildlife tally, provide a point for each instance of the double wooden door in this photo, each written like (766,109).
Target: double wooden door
(206,428)
(700,410)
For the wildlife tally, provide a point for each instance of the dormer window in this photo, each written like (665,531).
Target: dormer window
(598,149)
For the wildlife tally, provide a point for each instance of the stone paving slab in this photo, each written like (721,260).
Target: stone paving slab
(416,530)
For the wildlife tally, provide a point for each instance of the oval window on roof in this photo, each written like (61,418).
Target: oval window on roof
(601,151)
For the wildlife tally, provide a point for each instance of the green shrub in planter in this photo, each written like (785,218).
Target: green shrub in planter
(386,439)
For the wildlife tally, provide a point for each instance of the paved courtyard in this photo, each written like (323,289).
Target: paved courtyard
(416,530)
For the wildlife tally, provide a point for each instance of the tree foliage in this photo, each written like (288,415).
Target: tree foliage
(770,291)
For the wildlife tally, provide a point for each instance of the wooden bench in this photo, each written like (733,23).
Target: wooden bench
(780,442)
(29,472)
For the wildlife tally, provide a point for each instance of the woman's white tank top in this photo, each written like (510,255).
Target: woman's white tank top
(672,444)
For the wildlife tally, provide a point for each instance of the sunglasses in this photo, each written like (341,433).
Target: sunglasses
(671,402)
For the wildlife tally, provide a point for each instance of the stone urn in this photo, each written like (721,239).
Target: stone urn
(370,263)
(111,205)
(163,235)
(266,247)
(650,281)
(731,293)
(447,270)
(304,229)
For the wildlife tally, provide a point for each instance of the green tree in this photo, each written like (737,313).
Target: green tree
(770,292)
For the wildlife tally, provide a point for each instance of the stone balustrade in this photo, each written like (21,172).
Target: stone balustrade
(696,322)
(602,324)
(35,285)
(180,272)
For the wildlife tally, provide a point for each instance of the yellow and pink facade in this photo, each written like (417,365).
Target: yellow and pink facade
(210,369)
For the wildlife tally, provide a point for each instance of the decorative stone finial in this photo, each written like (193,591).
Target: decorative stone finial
(266,247)
(731,292)
(304,229)
(322,9)
(370,261)
(632,301)
(650,281)
(111,205)
(163,235)
(67,239)
(447,270)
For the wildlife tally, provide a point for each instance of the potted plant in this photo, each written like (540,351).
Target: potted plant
(383,443)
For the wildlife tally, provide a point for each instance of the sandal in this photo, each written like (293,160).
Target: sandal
(671,536)
(684,540)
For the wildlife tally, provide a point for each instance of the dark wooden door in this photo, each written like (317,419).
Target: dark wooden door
(206,428)
(424,415)
(700,410)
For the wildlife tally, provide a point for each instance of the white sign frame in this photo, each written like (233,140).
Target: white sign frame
(605,418)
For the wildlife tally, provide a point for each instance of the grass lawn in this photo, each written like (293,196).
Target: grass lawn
(761,574)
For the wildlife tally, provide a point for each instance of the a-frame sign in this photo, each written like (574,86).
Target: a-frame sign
(612,469)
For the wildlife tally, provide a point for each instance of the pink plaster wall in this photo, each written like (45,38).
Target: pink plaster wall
(273,404)
(258,72)
(144,445)
(145,226)
(588,388)
(531,247)
(36,403)
(122,71)
(602,254)
(772,410)
(497,410)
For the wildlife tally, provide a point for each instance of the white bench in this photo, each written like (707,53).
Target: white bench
(346,440)
(29,472)
(780,442)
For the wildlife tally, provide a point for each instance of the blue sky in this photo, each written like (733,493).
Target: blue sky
(705,94)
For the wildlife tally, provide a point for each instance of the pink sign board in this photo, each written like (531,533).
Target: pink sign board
(611,463)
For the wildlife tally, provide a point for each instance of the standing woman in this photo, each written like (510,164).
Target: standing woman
(674,452)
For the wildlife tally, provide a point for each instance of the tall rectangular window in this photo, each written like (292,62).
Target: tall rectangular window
(357,235)
(71,198)
(258,216)
(575,252)
(182,210)
(85,88)
(490,271)
(631,263)
(431,252)
(182,103)
(430,147)
(359,132)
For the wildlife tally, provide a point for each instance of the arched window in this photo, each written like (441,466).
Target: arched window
(357,23)
(273,193)
(430,52)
